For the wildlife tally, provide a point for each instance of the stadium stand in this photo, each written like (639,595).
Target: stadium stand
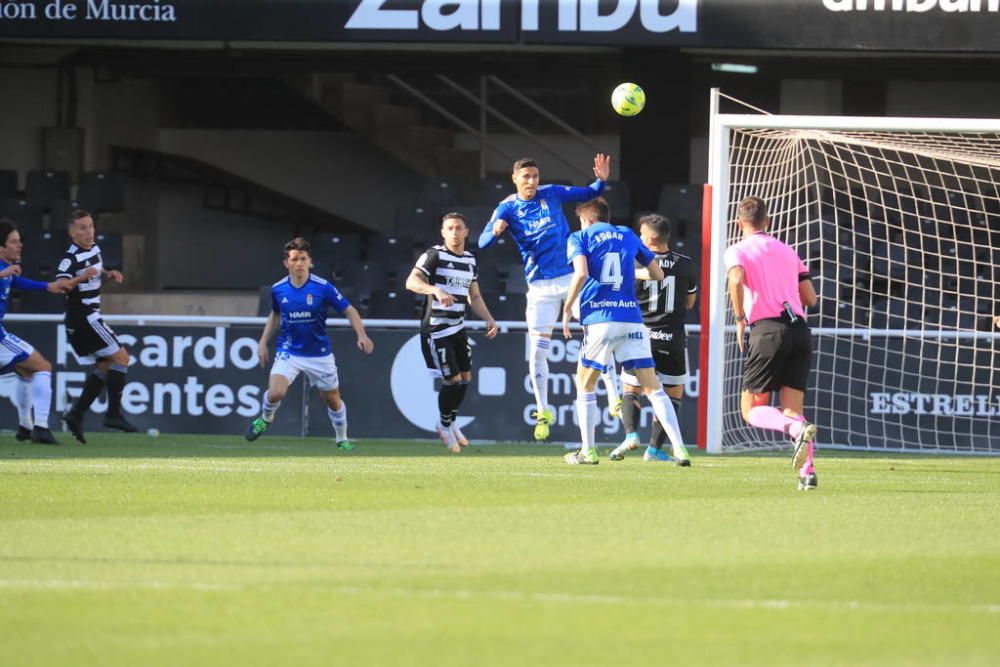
(44,187)
(8,184)
(101,192)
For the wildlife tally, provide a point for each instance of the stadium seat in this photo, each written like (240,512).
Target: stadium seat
(372,278)
(264,301)
(42,253)
(59,212)
(44,187)
(507,307)
(494,189)
(331,251)
(111,250)
(476,215)
(101,192)
(515,282)
(489,278)
(438,194)
(8,184)
(27,217)
(503,251)
(619,199)
(392,305)
(681,202)
(390,250)
(415,221)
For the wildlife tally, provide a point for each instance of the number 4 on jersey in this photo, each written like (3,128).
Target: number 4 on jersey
(611,271)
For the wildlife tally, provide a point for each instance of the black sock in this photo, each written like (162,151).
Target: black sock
(631,409)
(116,385)
(658,436)
(463,387)
(447,402)
(92,388)
(677,407)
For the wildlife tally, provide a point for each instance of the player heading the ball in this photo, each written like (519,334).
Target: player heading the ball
(534,218)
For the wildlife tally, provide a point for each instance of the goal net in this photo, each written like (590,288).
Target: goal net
(898,221)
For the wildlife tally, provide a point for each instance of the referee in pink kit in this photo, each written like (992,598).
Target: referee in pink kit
(768,287)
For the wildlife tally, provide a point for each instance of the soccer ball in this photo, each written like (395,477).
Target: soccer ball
(628,99)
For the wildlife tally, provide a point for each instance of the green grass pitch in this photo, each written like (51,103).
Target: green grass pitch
(195,550)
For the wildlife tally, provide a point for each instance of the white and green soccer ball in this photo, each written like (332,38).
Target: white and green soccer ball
(628,99)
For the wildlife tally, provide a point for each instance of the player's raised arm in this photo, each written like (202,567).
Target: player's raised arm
(494,229)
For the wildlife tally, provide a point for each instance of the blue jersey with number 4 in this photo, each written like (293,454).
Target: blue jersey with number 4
(303,315)
(611,252)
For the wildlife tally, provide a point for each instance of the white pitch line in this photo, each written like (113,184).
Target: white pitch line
(577,598)
(86,584)
(517,596)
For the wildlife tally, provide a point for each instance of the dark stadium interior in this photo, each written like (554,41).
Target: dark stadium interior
(184,151)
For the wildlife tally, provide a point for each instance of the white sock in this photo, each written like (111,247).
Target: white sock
(22,392)
(665,414)
(610,385)
(588,416)
(538,366)
(339,421)
(41,397)
(267,408)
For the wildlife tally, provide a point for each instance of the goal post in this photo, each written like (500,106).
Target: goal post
(898,220)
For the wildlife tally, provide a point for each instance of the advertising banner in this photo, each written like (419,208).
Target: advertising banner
(880,25)
(206,379)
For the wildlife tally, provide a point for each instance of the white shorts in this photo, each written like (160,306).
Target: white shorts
(545,300)
(13,351)
(321,371)
(627,341)
(667,380)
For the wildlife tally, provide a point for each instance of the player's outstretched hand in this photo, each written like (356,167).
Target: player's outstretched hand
(115,276)
(492,329)
(365,344)
(262,354)
(12,270)
(499,227)
(443,297)
(567,313)
(997,321)
(602,166)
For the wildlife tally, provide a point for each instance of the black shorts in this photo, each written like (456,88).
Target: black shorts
(778,355)
(447,356)
(669,359)
(90,337)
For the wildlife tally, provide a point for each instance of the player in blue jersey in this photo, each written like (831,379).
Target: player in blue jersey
(299,305)
(535,219)
(34,372)
(603,258)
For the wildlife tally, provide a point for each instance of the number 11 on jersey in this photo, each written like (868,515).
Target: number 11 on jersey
(665,288)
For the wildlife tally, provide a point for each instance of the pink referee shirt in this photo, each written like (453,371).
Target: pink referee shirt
(771,275)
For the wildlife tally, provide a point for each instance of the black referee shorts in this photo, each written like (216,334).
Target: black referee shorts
(778,355)
(447,356)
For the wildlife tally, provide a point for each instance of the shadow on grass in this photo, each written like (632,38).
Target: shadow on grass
(128,446)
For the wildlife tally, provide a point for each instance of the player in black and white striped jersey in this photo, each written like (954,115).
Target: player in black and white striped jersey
(446,274)
(91,338)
